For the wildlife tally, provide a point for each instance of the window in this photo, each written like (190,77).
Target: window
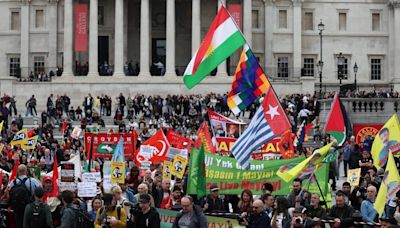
(282,18)
(344,69)
(376,69)
(14,66)
(342,21)
(39,18)
(376,22)
(283,67)
(15,21)
(308,21)
(255,20)
(100,16)
(38,64)
(308,67)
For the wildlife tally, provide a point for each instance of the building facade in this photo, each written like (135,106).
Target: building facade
(130,38)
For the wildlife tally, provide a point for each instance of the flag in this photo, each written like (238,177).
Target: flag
(197,173)
(31,133)
(13,174)
(286,145)
(269,122)
(389,187)
(338,124)
(204,138)
(302,134)
(20,137)
(160,148)
(308,164)
(1,126)
(55,189)
(387,140)
(249,83)
(119,154)
(30,143)
(64,126)
(222,39)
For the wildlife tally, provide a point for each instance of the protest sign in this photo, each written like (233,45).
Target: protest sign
(105,143)
(118,172)
(353,177)
(166,175)
(178,141)
(70,186)
(172,152)
(76,133)
(67,172)
(178,166)
(91,177)
(87,189)
(107,185)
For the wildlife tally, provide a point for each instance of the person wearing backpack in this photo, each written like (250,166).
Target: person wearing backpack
(36,213)
(21,193)
(110,215)
(69,212)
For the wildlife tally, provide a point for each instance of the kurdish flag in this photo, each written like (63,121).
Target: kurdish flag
(249,83)
(222,39)
(338,124)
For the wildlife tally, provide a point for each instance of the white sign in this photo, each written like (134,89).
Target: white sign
(87,189)
(172,152)
(147,151)
(70,186)
(107,185)
(91,177)
(76,132)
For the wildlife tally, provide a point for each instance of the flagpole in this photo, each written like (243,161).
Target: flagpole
(90,155)
(319,187)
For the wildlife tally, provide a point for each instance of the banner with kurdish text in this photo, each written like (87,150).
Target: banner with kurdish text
(232,179)
(167,218)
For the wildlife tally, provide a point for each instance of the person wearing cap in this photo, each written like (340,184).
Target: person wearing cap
(213,202)
(110,214)
(190,216)
(147,216)
(36,212)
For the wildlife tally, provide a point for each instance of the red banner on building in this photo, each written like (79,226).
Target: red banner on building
(81,27)
(235,11)
(362,130)
(104,144)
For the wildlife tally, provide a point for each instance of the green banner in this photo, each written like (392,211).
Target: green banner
(231,179)
(167,218)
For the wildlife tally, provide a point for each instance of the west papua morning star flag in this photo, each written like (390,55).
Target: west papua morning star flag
(269,122)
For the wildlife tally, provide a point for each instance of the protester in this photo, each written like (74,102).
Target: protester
(36,213)
(190,216)
(147,216)
(258,218)
(213,202)
(341,213)
(368,212)
(110,214)
(298,194)
(68,219)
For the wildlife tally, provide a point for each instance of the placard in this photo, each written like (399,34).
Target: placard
(67,172)
(76,133)
(91,177)
(166,174)
(87,189)
(70,186)
(179,166)
(353,177)
(117,172)
(107,185)
(172,152)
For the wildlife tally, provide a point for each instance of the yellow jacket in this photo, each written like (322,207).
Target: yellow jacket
(111,213)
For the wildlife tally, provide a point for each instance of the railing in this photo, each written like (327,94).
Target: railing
(36,74)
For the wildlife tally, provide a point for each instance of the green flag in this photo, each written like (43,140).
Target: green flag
(197,172)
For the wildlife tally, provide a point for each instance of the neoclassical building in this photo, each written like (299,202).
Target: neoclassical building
(84,38)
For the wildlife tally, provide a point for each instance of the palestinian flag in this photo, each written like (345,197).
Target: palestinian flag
(338,124)
(222,39)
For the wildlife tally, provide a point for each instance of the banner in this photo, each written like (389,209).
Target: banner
(81,27)
(222,126)
(235,11)
(91,177)
(118,172)
(67,172)
(105,143)
(362,130)
(87,189)
(166,174)
(167,218)
(232,179)
(178,166)
(76,133)
(353,177)
(178,141)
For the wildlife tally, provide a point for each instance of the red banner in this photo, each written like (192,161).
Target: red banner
(105,143)
(269,151)
(178,141)
(235,11)
(362,130)
(81,27)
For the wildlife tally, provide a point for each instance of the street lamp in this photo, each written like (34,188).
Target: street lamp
(355,69)
(340,62)
(321,28)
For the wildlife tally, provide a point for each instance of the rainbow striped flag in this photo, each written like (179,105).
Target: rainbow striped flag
(249,83)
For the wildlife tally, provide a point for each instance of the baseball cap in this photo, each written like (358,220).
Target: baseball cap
(144,198)
(214,188)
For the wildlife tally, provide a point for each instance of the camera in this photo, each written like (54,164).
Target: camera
(299,220)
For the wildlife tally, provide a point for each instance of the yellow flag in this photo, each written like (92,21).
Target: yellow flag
(1,126)
(387,139)
(178,166)
(389,187)
(166,174)
(1,147)
(20,138)
(30,143)
(353,177)
(313,160)
(117,172)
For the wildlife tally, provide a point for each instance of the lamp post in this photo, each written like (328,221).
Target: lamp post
(355,69)
(340,62)
(321,28)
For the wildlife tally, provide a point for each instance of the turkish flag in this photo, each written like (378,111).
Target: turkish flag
(274,114)
(161,147)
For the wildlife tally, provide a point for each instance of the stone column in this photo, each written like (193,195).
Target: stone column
(144,39)
(297,27)
(268,31)
(196,25)
(52,25)
(221,71)
(93,39)
(119,39)
(25,24)
(68,37)
(247,26)
(396,53)
(170,49)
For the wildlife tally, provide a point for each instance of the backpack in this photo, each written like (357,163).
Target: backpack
(38,218)
(83,219)
(118,212)
(20,196)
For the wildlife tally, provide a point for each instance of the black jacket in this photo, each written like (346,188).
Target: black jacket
(150,220)
(312,212)
(261,220)
(217,205)
(198,219)
(343,213)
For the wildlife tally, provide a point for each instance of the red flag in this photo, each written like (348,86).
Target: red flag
(161,144)
(55,178)
(178,141)
(13,174)
(204,136)
(286,145)
(31,132)
(274,113)
(64,126)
